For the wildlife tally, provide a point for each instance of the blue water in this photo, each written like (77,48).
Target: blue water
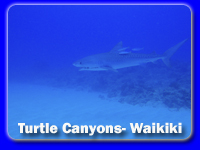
(44,41)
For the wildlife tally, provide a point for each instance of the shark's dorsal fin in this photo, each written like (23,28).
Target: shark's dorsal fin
(117,47)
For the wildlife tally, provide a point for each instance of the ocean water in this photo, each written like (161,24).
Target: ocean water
(44,87)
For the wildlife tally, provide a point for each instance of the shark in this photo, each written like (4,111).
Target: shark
(116,59)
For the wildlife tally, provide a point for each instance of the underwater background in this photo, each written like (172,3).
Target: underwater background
(44,86)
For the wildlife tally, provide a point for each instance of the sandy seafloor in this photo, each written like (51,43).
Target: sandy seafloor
(34,104)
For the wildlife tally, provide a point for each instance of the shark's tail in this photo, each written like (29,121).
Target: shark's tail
(168,53)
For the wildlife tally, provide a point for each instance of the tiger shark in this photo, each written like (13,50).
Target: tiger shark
(116,59)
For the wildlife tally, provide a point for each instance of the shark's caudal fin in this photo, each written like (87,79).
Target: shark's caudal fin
(168,53)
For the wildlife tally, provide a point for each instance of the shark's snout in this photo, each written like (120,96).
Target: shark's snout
(77,64)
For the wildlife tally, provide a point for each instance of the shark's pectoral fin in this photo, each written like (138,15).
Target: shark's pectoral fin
(109,68)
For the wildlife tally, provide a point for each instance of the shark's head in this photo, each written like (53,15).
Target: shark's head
(88,63)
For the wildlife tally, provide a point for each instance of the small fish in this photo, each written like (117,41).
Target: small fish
(124,52)
(122,49)
(137,49)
